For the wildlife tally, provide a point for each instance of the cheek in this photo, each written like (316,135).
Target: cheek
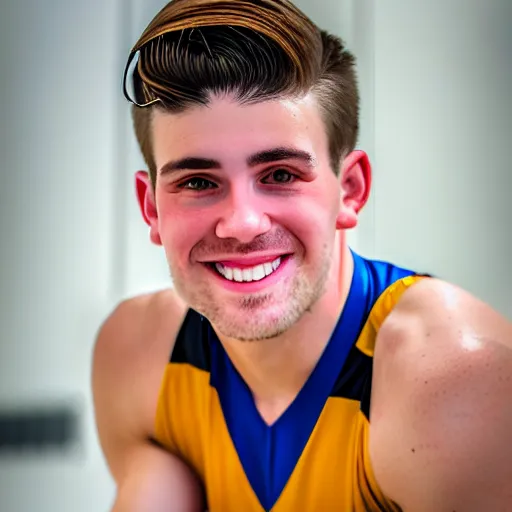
(180,230)
(312,222)
(314,214)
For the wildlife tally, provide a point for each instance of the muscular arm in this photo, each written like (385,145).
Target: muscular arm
(441,418)
(130,354)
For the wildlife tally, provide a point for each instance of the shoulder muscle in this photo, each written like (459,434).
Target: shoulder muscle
(442,377)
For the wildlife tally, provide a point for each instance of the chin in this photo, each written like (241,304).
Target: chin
(253,319)
(255,331)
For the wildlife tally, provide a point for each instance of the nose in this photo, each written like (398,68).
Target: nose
(243,218)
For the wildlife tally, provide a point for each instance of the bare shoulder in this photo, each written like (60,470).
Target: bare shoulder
(132,348)
(442,377)
(134,319)
(435,303)
(441,319)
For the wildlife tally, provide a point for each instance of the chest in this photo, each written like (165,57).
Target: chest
(297,464)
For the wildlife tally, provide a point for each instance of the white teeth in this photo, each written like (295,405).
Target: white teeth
(256,273)
(237,275)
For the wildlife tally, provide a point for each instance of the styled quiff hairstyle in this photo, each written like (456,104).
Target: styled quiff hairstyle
(256,50)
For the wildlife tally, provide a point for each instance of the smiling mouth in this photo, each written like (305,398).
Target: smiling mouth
(248,274)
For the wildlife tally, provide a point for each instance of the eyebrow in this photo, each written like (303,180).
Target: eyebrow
(263,157)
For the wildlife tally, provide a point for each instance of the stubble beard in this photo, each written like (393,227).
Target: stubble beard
(264,316)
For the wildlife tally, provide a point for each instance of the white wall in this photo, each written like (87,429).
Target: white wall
(443,125)
(435,81)
(59,80)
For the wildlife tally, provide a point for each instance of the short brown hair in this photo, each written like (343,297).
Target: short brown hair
(255,49)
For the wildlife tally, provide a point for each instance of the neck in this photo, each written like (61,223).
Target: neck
(275,370)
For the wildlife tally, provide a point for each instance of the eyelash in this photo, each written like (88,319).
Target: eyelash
(184,185)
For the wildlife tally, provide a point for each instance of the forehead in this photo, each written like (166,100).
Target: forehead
(226,129)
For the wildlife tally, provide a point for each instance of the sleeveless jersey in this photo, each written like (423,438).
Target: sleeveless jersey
(315,456)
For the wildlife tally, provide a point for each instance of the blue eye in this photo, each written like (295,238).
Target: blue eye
(197,184)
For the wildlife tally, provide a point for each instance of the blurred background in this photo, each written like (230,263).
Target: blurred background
(436,82)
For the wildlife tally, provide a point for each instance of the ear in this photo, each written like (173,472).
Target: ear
(147,204)
(355,181)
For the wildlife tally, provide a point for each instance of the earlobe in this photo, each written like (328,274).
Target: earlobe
(355,178)
(147,205)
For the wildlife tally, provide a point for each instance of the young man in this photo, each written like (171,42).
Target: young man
(284,372)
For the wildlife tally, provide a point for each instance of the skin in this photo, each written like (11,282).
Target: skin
(441,418)
(225,208)
(130,355)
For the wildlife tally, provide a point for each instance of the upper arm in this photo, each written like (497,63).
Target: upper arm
(113,362)
(441,417)
(131,351)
